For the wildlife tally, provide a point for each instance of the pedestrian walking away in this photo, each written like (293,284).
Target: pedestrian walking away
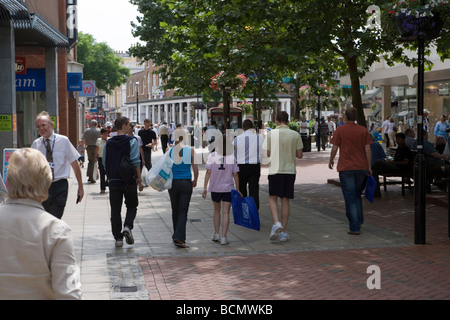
(90,137)
(164,136)
(148,137)
(101,142)
(182,186)
(248,150)
(355,160)
(222,176)
(283,146)
(61,156)
(37,256)
(116,149)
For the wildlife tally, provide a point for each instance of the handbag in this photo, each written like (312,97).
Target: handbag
(245,213)
(144,174)
(370,188)
(160,175)
(95,172)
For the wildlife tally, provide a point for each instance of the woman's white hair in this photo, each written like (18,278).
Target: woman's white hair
(29,175)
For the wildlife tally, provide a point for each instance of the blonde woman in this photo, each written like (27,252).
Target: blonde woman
(37,260)
(182,185)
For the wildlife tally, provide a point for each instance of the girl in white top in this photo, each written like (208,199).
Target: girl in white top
(221,171)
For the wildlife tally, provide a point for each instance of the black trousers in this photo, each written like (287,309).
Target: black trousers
(164,142)
(249,174)
(148,158)
(116,196)
(57,198)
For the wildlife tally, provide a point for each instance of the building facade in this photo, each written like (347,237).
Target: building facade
(145,99)
(37,52)
(395,90)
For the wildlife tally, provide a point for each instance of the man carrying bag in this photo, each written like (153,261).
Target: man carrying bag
(120,150)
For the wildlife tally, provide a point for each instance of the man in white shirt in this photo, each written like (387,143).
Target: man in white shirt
(248,151)
(384,128)
(61,155)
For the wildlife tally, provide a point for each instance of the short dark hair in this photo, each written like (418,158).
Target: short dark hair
(351,114)
(120,121)
(400,135)
(247,124)
(103,130)
(282,117)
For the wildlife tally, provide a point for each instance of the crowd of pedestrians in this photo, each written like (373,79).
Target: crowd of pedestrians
(118,154)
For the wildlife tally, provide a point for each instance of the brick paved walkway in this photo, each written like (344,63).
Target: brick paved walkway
(407,272)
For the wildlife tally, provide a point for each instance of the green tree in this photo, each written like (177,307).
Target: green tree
(100,63)
(194,40)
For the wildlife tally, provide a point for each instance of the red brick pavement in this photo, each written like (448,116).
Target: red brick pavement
(413,272)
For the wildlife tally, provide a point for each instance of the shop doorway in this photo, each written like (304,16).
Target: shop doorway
(29,104)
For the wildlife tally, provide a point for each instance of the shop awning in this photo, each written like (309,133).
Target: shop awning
(30,29)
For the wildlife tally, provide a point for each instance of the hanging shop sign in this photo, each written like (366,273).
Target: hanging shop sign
(88,89)
(74,81)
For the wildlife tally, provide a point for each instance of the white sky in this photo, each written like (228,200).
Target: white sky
(108,21)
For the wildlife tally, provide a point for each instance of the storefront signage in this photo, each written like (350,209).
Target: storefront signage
(5,122)
(88,89)
(21,65)
(34,80)
(74,81)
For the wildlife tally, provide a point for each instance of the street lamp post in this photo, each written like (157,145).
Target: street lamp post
(137,102)
(419,209)
(318,123)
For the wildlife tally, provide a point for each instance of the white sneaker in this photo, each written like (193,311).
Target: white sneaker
(284,237)
(119,243)
(128,235)
(224,241)
(275,233)
(215,237)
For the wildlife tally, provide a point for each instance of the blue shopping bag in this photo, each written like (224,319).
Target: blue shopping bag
(245,213)
(370,188)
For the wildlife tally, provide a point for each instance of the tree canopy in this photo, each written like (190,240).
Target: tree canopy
(100,63)
(312,41)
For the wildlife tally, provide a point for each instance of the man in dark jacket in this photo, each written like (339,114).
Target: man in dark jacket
(116,147)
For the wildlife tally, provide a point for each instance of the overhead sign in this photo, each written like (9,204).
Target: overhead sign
(88,89)
(34,80)
(74,81)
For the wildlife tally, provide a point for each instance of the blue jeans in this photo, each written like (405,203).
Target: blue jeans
(180,197)
(352,185)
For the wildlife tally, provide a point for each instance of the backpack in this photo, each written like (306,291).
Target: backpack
(127,171)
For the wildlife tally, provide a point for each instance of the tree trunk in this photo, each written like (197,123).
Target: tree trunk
(226,109)
(255,108)
(352,64)
(260,92)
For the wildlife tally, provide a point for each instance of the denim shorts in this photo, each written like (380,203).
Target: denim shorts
(221,196)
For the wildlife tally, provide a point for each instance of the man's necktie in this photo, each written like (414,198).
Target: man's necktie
(49,155)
